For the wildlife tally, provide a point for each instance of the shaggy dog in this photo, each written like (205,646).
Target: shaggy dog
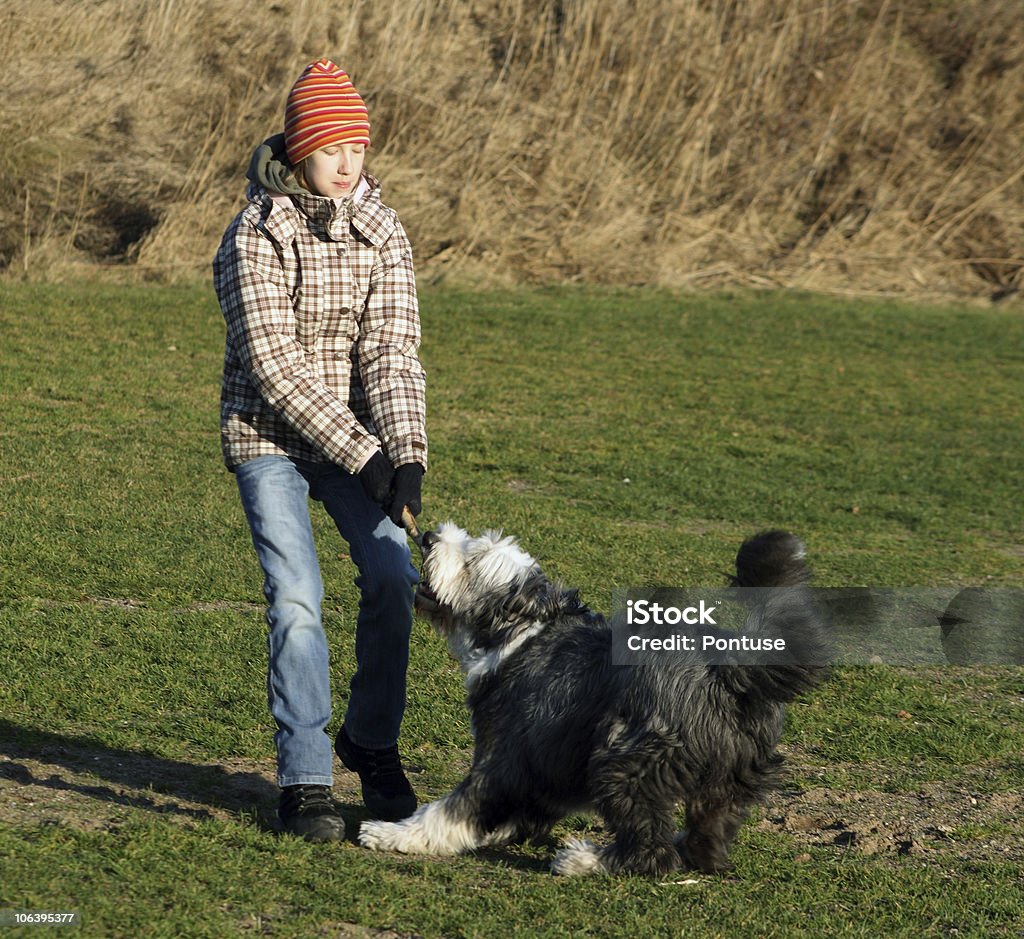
(560,728)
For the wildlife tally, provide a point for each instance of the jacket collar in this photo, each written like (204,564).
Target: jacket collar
(273,183)
(284,213)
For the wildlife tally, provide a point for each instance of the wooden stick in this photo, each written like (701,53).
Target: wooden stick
(409,521)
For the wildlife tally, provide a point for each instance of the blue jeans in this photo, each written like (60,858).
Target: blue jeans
(275,491)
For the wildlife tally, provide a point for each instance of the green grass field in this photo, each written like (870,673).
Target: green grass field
(627,438)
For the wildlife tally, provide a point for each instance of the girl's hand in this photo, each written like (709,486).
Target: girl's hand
(377,476)
(407,488)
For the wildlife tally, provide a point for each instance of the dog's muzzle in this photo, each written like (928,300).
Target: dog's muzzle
(425,601)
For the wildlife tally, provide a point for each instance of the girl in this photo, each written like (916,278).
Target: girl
(323,397)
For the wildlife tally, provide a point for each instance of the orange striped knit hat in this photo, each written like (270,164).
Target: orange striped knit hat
(323,108)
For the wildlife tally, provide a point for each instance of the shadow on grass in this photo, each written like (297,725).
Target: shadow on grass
(134,779)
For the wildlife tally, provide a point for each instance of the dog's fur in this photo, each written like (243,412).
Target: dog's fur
(559,728)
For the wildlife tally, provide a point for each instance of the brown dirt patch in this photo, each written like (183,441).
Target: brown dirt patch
(936,820)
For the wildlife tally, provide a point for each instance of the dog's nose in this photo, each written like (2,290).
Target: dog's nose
(430,538)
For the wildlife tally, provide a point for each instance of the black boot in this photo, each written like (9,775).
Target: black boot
(386,791)
(311,812)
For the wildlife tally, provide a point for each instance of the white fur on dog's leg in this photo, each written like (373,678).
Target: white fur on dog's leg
(381,836)
(577,858)
(431,829)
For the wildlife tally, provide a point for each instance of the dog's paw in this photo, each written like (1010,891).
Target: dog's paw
(380,836)
(577,858)
(426,831)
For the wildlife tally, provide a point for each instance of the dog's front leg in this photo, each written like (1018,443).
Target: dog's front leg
(451,825)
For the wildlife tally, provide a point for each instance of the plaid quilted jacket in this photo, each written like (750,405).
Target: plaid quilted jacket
(323,332)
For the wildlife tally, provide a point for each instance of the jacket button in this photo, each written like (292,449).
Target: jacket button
(345,310)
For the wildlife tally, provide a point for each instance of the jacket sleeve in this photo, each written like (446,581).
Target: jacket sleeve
(261,329)
(392,376)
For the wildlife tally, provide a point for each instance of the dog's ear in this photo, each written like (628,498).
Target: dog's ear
(569,602)
(538,599)
(531,600)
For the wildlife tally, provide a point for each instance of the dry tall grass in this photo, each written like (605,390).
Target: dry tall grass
(873,146)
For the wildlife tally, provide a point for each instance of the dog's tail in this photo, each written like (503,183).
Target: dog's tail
(772,559)
(783,622)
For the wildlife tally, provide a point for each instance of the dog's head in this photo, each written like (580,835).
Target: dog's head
(463,577)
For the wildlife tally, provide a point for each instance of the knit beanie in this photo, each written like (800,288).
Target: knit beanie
(323,108)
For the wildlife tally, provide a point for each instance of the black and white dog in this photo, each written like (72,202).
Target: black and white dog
(560,728)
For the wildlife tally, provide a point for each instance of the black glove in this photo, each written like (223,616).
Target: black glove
(377,476)
(407,492)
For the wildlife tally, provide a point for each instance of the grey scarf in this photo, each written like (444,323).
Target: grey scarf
(269,168)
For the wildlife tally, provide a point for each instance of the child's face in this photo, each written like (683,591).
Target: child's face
(334,171)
